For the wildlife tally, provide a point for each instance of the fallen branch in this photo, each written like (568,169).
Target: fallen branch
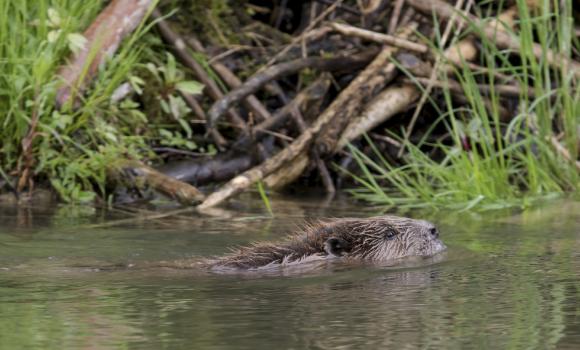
(395,16)
(251,102)
(296,168)
(501,39)
(248,178)
(485,89)
(314,91)
(179,47)
(353,98)
(391,101)
(203,171)
(104,35)
(254,83)
(136,174)
(387,39)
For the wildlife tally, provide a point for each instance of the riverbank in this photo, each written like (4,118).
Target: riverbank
(455,105)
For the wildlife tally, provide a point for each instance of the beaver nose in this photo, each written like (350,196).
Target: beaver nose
(434,232)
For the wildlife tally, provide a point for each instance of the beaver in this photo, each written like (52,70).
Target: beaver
(376,239)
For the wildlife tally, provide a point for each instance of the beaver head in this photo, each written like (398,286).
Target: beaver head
(376,239)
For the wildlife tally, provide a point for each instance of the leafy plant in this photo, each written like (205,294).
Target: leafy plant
(490,164)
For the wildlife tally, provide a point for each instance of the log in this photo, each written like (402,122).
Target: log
(354,97)
(104,36)
(133,173)
(393,100)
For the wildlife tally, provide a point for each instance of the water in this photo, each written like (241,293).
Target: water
(506,282)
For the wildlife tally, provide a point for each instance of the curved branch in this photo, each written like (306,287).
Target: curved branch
(257,81)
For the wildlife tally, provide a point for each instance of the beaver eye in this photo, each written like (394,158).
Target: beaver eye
(390,234)
(434,232)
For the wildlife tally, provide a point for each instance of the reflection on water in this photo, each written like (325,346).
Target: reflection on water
(505,282)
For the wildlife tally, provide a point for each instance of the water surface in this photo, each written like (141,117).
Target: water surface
(508,281)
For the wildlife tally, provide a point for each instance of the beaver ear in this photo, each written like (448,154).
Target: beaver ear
(336,246)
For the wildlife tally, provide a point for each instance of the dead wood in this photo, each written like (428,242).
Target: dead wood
(258,80)
(204,171)
(486,89)
(313,92)
(251,102)
(242,182)
(373,78)
(343,7)
(362,89)
(291,171)
(192,103)
(287,173)
(395,16)
(502,39)
(311,26)
(135,174)
(250,177)
(180,48)
(392,100)
(322,169)
(104,35)
(385,39)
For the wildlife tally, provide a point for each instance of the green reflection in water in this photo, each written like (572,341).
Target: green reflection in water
(507,281)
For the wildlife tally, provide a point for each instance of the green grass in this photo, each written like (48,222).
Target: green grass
(510,163)
(71,149)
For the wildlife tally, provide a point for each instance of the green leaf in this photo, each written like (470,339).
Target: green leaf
(53,36)
(85,196)
(171,69)
(190,87)
(137,83)
(185,127)
(76,42)
(165,133)
(53,18)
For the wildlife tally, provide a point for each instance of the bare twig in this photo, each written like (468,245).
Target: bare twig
(343,7)
(251,102)
(299,38)
(392,40)
(395,16)
(314,91)
(218,139)
(455,86)
(322,169)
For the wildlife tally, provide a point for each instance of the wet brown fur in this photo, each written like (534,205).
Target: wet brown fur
(371,239)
